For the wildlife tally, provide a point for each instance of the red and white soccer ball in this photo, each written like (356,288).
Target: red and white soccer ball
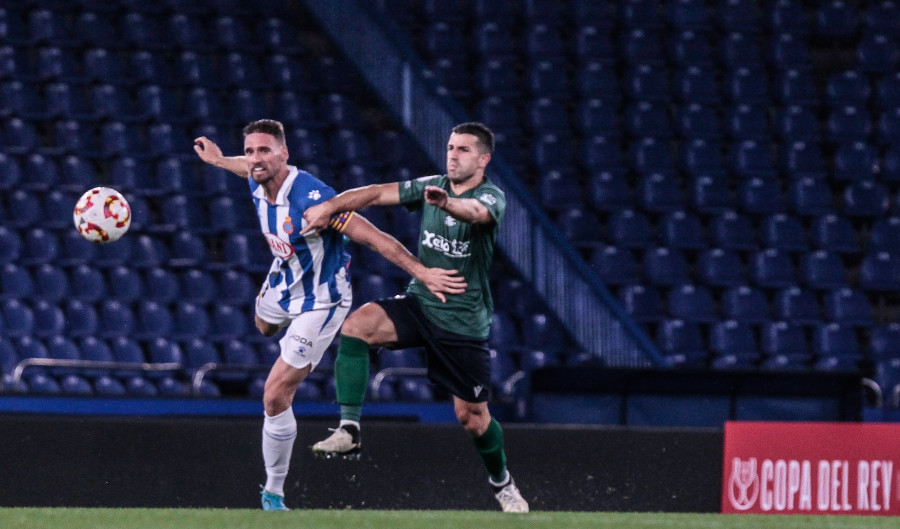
(102,215)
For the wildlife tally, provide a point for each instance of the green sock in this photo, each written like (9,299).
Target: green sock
(351,376)
(490,448)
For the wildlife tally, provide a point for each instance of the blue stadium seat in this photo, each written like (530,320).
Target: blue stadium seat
(836,347)
(696,84)
(542,41)
(690,48)
(41,246)
(660,193)
(747,85)
(866,199)
(118,319)
(784,345)
(810,197)
(161,285)
(641,14)
(665,266)
(18,318)
(228,322)
(887,91)
(822,270)
(798,123)
(888,127)
(188,249)
(580,226)
(748,122)
(836,18)
(847,124)
(800,159)
(155,101)
(733,344)
(745,304)
(646,119)
(772,268)
(784,232)
(751,159)
(615,266)
(890,164)
(124,284)
(710,194)
(543,332)
(82,319)
(642,46)
(834,233)
(682,343)
(594,43)
(797,306)
(10,245)
(760,196)
(877,54)
(879,272)
(695,121)
(688,14)
(154,320)
(51,283)
(790,50)
(643,303)
(718,267)
(653,154)
(703,157)
(553,152)
(848,306)
(630,229)
(644,82)
(49,319)
(884,234)
(609,190)
(17,282)
(884,341)
(601,153)
(739,49)
(795,87)
(494,39)
(682,230)
(733,231)
(692,303)
(71,137)
(190,320)
(597,78)
(10,171)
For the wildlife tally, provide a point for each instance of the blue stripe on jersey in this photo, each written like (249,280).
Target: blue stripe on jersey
(272,218)
(334,260)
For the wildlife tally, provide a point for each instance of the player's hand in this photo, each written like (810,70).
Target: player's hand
(436,196)
(207,150)
(317,218)
(441,281)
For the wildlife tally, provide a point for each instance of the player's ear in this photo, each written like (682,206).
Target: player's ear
(484,159)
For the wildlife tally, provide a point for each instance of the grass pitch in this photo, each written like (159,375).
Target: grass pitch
(34,518)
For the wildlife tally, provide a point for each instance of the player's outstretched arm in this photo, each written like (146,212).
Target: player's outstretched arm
(318,216)
(210,153)
(464,209)
(438,280)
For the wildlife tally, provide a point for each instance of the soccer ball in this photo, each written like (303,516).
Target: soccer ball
(102,215)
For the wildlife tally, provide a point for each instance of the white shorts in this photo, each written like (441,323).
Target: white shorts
(308,334)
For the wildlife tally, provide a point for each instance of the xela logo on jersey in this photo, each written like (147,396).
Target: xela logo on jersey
(449,248)
(288,225)
(279,247)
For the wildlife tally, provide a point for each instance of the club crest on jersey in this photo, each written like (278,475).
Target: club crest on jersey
(288,225)
(279,247)
(314,194)
(449,221)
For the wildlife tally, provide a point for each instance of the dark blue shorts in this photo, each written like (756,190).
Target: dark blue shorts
(460,364)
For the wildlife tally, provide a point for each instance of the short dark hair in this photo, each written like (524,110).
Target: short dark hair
(479,130)
(266,126)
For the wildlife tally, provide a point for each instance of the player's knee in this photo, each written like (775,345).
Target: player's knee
(276,398)
(356,326)
(473,420)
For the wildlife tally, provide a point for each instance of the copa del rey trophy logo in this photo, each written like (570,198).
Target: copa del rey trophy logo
(743,485)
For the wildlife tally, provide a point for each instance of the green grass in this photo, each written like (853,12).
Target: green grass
(34,518)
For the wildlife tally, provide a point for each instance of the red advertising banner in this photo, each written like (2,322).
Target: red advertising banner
(811,468)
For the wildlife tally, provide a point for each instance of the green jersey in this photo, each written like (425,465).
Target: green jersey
(445,242)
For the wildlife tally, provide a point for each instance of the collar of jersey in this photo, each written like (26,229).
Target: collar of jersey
(281,198)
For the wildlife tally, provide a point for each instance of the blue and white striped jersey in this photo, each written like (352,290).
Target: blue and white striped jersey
(311,271)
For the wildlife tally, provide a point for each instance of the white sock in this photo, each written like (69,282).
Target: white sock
(278,437)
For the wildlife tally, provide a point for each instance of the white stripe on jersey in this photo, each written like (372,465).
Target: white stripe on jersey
(308,272)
